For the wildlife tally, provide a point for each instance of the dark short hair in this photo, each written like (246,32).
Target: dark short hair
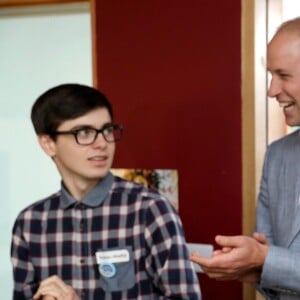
(65,102)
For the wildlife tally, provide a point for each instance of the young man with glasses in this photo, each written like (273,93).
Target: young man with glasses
(99,237)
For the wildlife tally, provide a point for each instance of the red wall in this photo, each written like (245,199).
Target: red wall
(172,70)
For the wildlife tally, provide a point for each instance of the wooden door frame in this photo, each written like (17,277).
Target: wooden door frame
(11,3)
(254,111)
(248,128)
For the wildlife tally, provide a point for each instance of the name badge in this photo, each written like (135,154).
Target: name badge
(112,256)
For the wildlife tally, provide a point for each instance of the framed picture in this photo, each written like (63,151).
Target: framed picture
(165,181)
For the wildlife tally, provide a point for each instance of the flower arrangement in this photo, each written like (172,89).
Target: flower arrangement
(165,181)
(146,177)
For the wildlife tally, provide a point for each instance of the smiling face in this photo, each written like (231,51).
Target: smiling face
(283,63)
(81,165)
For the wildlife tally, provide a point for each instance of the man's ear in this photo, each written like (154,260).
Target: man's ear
(47,144)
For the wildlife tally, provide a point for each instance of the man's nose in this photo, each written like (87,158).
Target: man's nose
(274,87)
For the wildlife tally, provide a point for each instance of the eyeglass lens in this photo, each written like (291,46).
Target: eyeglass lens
(87,136)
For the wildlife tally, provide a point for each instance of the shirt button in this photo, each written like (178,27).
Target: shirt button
(82,260)
(81,227)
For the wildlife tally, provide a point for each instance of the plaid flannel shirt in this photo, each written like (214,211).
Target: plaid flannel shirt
(60,236)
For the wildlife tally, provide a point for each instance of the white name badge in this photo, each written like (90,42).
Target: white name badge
(112,256)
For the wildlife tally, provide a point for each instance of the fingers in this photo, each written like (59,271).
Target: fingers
(53,288)
(220,267)
(231,241)
(215,271)
(238,255)
(217,263)
(48,298)
(223,250)
(217,252)
(261,238)
(201,260)
(239,258)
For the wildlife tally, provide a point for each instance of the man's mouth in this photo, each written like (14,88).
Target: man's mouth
(97,158)
(286,104)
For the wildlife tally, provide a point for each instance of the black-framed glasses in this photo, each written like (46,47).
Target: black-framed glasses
(88,135)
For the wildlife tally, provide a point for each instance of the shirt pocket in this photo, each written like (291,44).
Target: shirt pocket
(124,277)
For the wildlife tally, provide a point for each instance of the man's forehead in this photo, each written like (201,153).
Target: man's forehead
(96,117)
(283,48)
(284,40)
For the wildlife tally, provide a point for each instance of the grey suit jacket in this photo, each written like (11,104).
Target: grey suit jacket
(278,217)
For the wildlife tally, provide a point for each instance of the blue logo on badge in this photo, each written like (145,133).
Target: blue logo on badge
(107,269)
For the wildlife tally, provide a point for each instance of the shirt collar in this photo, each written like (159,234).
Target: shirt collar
(93,199)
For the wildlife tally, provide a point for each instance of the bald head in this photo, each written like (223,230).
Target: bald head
(292,26)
